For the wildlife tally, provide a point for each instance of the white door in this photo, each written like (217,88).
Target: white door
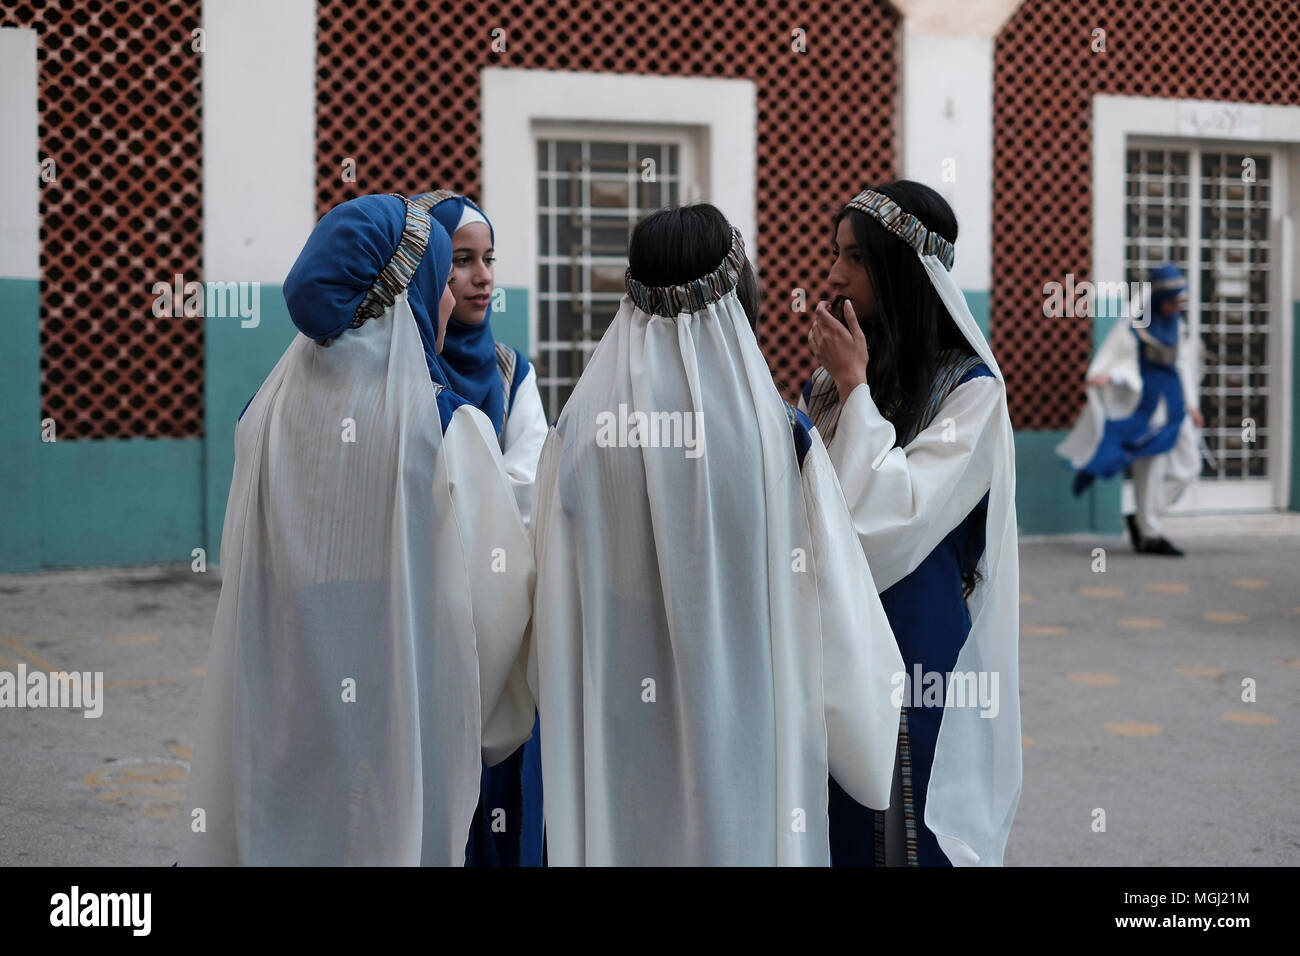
(1214,212)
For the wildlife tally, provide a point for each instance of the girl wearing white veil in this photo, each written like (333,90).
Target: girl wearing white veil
(913,407)
(706,640)
(359,662)
(500,382)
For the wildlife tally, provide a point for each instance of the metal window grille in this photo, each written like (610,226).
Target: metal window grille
(591,195)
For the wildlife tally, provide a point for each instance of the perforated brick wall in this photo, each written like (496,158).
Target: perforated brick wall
(398,89)
(1046,74)
(118,101)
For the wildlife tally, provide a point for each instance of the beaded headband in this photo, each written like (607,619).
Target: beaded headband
(396,275)
(904,225)
(670,301)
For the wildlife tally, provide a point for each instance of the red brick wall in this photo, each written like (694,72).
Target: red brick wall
(118,102)
(1045,76)
(393,74)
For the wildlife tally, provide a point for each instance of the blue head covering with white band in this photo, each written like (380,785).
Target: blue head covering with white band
(469,352)
(1167,285)
(360,256)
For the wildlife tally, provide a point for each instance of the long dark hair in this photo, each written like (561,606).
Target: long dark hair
(912,324)
(677,245)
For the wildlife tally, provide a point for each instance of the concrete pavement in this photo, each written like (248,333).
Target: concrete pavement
(1131,701)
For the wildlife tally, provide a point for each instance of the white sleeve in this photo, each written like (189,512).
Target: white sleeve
(905,501)
(502,574)
(526,430)
(1118,357)
(561,593)
(862,669)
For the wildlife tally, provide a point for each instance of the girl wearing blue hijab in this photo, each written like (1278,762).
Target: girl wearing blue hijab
(332,279)
(490,375)
(363,664)
(496,378)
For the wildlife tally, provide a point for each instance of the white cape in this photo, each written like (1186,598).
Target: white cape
(708,641)
(1118,358)
(375,593)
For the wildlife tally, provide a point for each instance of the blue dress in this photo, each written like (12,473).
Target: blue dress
(1124,440)
(931,621)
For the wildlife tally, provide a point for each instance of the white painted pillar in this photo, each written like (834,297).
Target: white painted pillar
(947,125)
(259,137)
(20,217)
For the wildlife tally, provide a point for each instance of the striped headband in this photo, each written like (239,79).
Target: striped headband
(904,225)
(694,296)
(397,273)
(427,201)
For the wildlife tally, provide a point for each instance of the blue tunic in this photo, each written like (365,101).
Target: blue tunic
(515,787)
(931,621)
(1125,439)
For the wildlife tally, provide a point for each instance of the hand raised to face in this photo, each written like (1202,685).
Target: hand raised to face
(840,347)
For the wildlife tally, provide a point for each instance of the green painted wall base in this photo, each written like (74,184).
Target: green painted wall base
(510,324)
(76,503)
(20,425)
(85,503)
(1044,502)
(125,501)
(979,309)
(236,363)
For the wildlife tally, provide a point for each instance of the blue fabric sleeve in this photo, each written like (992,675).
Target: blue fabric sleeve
(800,427)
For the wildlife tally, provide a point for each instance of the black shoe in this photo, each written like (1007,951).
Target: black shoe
(1160,546)
(1134,534)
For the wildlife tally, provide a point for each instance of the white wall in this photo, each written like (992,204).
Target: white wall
(20,183)
(259,137)
(948,115)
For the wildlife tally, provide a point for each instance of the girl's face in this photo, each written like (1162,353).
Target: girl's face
(446,305)
(472,273)
(848,276)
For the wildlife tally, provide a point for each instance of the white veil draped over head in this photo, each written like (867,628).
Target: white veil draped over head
(976,776)
(707,639)
(352,672)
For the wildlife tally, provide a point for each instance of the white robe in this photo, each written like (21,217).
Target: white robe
(707,639)
(375,594)
(904,501)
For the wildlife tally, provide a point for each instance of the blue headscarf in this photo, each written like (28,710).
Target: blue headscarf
(469,352)
(1167,284)
(343,257)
